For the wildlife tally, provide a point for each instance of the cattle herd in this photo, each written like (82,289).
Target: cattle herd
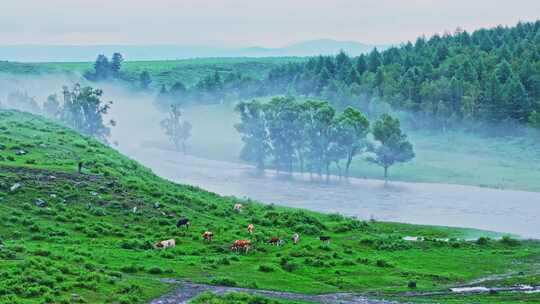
(238,245)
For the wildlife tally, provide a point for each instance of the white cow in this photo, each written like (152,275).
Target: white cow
(165,244)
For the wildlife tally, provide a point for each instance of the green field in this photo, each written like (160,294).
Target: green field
(167,72)
(88,241)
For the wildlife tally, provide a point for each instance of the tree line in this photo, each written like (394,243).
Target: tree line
(489,76)
(312,136)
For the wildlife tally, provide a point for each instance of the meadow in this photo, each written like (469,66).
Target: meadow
(163,72)
(71,237)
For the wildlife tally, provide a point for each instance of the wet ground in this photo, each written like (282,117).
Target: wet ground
(187,291)
(516,212)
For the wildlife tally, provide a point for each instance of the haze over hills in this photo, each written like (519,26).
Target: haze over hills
(55,53)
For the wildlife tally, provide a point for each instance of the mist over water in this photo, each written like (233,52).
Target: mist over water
(138,134)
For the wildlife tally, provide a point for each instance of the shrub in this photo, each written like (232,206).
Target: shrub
(482,241)
(266,268)
(155,270)
(382,263)
(223,282)
(508,241)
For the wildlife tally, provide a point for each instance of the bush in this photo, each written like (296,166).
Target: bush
(508,241)
(266,268)
(155,270)
(382,263)
(482,241)
(223,282)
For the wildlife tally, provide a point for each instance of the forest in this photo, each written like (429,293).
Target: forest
(488,76)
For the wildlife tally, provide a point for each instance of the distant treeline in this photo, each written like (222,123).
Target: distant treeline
(490,75)
(311,136)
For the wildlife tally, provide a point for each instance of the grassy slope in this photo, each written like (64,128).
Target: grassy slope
(189,71)
(89,242)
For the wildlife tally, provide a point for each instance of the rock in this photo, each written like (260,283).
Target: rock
(52,195)
(15,187)
(41,203)
(157,205)
(93,193)
(52,177)
(135,209)
(21,152)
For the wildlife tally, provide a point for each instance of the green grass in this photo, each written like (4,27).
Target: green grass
(453,157)
(88,242)
(235,298)
(167,72)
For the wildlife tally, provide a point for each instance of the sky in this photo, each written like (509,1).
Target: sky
(234,23)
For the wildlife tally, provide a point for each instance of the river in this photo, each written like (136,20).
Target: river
(509,211)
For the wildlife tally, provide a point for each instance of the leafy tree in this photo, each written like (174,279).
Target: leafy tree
(51,107)
(351,129)
(393,144)
(145,80)
(83,110)
(254,130)
(116,64)
(177,129)
(285,131)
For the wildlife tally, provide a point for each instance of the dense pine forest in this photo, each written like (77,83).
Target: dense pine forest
(490,75)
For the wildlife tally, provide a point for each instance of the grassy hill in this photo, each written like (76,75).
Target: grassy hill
(69,236)
(167,72)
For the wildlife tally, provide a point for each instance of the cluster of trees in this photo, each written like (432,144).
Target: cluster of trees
(177,129)
(105,69)
(311,136)
(214,88)
(490,75)
(81,108)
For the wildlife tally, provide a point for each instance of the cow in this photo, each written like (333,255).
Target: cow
(295,238)
(244,245)
(238,208)
(250,228)
(208,236)
(183,222)
(325,239)
(165,244)
(275,241)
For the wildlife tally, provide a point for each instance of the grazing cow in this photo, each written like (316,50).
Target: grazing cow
(183,222)
(165,244)
(238,208)
(275,241)
(208,236)
(244,245)
(295,238)
(80,167)
(250,228)
(325,239)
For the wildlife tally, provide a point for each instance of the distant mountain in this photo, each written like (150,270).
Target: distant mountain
(322,46)
(70,53)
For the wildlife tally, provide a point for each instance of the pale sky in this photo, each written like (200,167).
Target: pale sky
(269,23)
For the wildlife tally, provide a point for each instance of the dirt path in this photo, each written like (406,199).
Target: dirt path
(187,291)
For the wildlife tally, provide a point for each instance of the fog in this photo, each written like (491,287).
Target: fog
(138,135)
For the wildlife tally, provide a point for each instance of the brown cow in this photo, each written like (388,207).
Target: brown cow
(250,228)
(165,244)
(244,245)
(208,236)
(275,241)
